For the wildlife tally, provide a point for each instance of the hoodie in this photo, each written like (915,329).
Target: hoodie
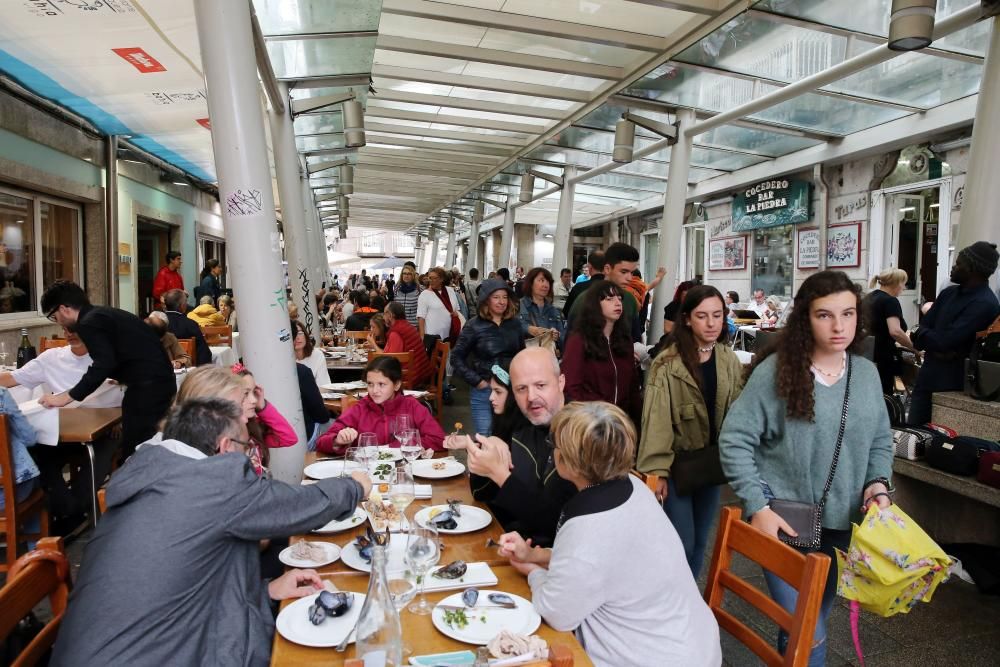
(206,315)
(367,416)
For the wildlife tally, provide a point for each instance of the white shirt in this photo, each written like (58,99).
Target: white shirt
(437,319)
(559,294)
(759,308)
(317,364)
(58,369)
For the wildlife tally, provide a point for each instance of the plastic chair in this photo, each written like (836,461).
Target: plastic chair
(43,572)
(14,513)
(439,366)
(49,343)
(807,574)
(220,335)
(404,361)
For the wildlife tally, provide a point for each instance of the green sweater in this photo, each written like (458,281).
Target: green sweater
(759,443)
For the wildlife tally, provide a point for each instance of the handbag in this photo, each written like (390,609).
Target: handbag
(547,340)
(806,518)
(989,469)
(696,469)
(982,368)
(959,456)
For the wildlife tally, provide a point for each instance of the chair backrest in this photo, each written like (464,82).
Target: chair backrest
(7,485)
(48,343)
(220,335)
(439,368)
(346,402)
(807,574)
(357,336)
(102,500)
(188,345)
(404,361)
(651,481)
(37,574)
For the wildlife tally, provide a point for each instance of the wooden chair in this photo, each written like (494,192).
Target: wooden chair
(102,501)
(651,481)
(43,572)
(221,335)
(49,343)
(439,369)
(807,574)
(15,513)
(188,345)
(404,361)
(346,402)
(560,655)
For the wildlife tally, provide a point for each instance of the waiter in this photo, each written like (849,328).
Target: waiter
(124,349)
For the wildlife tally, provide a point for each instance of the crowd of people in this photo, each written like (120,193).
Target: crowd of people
(562,416)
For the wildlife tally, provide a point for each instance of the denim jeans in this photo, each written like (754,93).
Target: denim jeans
(786,596)
(692,517)
(482,411)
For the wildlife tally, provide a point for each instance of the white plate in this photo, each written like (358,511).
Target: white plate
(476,574)
(293,623)
(395,554)
(388,454)
(331,395)
(393,525)
(353,521)
(425,468)
(330,468)
(472,519)
(332,554)
(521,621)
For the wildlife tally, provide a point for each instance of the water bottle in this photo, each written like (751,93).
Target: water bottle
(25,351)
(379,634)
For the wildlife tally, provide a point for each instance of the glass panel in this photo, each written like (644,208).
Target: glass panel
(282,17)
(321,57)
(319,123)
(320,143)
(772,260)
(17,294)
(472,94)
(60,243)
(633,17)
(757,141)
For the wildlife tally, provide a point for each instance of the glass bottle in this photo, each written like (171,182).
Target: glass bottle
(482,657)
(379,634)
(25,351)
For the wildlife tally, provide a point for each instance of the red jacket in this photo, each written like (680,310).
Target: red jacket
(615,379)
(366,416)
(403,337)
(165,281)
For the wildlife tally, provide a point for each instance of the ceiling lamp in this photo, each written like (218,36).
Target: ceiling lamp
(344,205)
(911,24)
(625,135)
(354,124)
(527,187)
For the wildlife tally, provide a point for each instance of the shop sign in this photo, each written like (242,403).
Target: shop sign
(772,203)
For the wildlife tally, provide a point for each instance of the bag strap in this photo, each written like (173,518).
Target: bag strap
(840,435)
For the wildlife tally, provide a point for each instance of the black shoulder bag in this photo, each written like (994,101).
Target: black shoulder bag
(806,518)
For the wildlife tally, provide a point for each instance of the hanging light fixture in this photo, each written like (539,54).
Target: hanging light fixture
(624,142)
(354,124)
(527,187)
(911,24)
(347,180)
(344,205)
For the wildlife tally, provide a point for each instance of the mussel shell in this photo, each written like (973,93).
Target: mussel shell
(445,520)
(501,599)
(452,570)
(336,604)
(455,507)
(470,596)
(316,613)
(366,552)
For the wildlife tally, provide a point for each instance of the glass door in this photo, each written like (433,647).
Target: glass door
(912,244)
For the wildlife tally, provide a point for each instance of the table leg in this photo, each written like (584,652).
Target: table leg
(93,484)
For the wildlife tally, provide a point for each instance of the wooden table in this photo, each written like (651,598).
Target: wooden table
(83,426)
(419,632)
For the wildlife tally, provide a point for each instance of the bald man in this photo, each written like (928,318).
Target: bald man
(518,480)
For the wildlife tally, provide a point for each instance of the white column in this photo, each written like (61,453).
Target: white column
(435,235)
(449,260)
(474,259)
(982,178)
(253,251)
(672,225)
(507,235)
(299,238)
(564,223)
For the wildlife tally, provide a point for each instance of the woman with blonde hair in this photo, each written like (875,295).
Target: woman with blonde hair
(886,324)
(648,613)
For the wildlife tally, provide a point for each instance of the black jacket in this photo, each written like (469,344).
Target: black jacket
(183,326)
(313,408)
(532,498)
(483,343)
(577,292)
(123,348)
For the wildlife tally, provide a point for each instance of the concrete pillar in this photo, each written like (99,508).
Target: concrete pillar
(432,262)
(297,222)
(982,179)
(475,258)
(561,251)
(449,260)
(507,234)
(635,231)
(227,56)
(613,235)
(418,251)
(672,225)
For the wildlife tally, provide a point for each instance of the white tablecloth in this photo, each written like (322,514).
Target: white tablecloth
(223,355)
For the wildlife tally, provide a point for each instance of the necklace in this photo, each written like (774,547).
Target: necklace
(843,364)
(708,349)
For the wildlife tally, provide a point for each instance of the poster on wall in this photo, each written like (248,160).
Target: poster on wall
(808,249)
(727,254)
(843,246)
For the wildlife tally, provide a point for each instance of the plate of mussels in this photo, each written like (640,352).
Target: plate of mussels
(453,518)
(476,616)
(322,619)
(358,554)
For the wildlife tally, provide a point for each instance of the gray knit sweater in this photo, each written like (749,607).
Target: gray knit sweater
(759,443)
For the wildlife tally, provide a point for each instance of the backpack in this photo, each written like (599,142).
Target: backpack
(982,368)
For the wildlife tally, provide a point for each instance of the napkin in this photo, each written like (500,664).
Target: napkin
(44,420)
(422,491)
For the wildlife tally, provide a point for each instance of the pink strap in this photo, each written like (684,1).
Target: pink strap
(855,617)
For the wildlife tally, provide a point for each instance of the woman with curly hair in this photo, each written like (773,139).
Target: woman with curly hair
(598,359)
(810,393)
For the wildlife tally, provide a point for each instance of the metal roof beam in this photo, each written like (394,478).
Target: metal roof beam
(443,146)
(512,142)
(392,95)
(706,7)
(375,111)
(480,83)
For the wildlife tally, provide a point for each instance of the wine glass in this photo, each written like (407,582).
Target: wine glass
(422,553)
(401,494)
(369,443)
(360,457)
(400,425)
(402,584)
(410,446)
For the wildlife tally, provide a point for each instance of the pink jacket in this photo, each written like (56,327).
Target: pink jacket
(366,416)
(279,432)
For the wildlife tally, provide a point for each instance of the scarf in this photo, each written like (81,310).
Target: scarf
(406,288)
(456,324)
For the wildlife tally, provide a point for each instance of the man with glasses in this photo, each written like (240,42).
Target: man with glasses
(172,574)
(122,348)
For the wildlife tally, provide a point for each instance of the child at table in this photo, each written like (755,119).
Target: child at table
(267,427)
(372,414)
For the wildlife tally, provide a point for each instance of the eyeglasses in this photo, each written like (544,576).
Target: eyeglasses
(245,443)
(51,315)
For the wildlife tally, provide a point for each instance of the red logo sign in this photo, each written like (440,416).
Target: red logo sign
(205,123)
(141,60)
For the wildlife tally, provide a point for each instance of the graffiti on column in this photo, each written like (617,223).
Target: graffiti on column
(306,302)
(279,300)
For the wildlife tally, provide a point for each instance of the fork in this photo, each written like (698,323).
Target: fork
(342,646)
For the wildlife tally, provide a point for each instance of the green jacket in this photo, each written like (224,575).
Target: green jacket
(674,415)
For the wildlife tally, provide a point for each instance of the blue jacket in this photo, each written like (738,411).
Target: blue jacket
(547,317)
(21,435)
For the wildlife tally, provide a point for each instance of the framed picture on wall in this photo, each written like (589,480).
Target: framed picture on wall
(843,246)
(728,253)
(807,249)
